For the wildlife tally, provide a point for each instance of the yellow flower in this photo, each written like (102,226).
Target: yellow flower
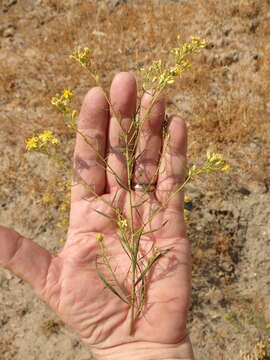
(55,101)
(122,223)
(186,215)
(63,106)
(32,143)
(179,71)
(193,171)
(82,56)
(100,236)
(47,138)
(215,162)
(46,135)
(226,168)
(63,207)
(214,157)
(55,141)
(41,143)
(67,94)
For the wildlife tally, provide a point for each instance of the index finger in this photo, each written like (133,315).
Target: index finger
(90,147)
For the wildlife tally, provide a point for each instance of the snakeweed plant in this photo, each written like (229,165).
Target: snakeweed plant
(157,78)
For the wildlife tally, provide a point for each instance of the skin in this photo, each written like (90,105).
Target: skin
(68,281)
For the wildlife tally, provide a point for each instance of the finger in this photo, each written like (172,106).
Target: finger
(89,162)
(172,170)
(24,258)
(123,99)
(150,140)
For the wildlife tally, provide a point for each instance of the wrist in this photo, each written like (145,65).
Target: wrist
(146,351)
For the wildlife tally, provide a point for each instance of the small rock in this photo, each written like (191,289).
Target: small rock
(98,33)
(114,3)
(9,31)
(255,56)
(210,45)
(227,31)
(22,311)
(257,187)
(243,191)
(75,343)
(4,319)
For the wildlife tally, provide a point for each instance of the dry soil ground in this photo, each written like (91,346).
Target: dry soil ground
(225,101)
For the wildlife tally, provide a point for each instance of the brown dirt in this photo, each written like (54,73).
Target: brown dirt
(225,100)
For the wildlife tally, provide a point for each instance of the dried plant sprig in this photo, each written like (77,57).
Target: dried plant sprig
(157,77)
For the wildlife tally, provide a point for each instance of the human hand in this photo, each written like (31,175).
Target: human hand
(68,282)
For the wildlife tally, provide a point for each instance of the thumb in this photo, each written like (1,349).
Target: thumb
(24,258)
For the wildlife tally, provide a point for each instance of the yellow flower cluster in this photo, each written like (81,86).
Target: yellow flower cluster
(122,223)
(159,75)
(41,142)
(83,57)
(214,162)
(63,103)
(181,52)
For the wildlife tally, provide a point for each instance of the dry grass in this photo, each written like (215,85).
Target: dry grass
(227,101)
(128,37)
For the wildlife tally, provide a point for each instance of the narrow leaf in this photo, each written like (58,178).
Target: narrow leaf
(105,215)
(108,285)
(148,267)
(141,203)
(154,230)
(123,186)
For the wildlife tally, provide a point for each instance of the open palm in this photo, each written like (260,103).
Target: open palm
(69,282)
